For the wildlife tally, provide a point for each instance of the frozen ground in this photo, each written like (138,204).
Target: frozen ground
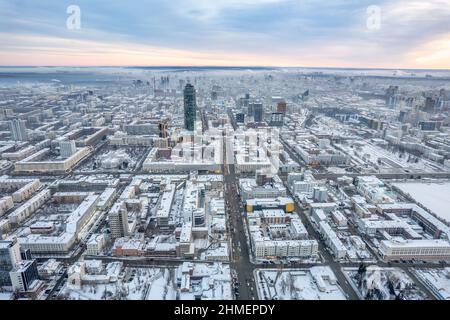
(138,284)
(375,283)
(370,154)
(437,280)
(189,281)
(432,195)
(316,283)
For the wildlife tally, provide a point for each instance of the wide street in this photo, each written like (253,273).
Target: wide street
(240,262)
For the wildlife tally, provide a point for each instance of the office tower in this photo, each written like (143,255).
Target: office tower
(18,130)
(164,81)
(391,98)
(216,92)
(181,83)
(163,129)
(276,119)
(429,104)
(442,99)
(258,112)
(305,95)
(67,148)
(240,117)
(23,275)
(118,220)
(246,100)
(189,107)
(282,107)
(9,259)
(250,110)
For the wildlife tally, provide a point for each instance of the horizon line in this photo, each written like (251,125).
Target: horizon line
(222,66)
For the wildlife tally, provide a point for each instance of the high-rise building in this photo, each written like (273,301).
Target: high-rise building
(258,112)
(429,104)
(250,110)
(163,129)
(181,83)
(23,275)
(216,92)
(190,107)
(390,95)
(244,102)
(305,95)
(118,220)
(240,117)
(282,107)
(276,119)
(18,130)
(67,148)
(10,258)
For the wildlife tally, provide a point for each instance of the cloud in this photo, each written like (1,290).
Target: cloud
(435,52)
(61,52)
(270,32)
(207,9)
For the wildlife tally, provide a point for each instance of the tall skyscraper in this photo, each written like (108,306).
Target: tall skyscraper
(282,107)
(258,112)
(10,258)
(18,130)
(190,107)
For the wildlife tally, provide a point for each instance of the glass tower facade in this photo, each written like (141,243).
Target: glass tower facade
(190,107)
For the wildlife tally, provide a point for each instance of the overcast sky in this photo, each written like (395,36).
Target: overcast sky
(332,33)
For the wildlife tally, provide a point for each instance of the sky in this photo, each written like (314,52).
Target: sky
(304,33)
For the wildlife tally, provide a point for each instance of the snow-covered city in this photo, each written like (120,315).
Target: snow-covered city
(225,185)
(238,158)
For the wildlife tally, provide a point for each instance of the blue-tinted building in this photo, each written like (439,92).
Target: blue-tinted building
(190,107)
